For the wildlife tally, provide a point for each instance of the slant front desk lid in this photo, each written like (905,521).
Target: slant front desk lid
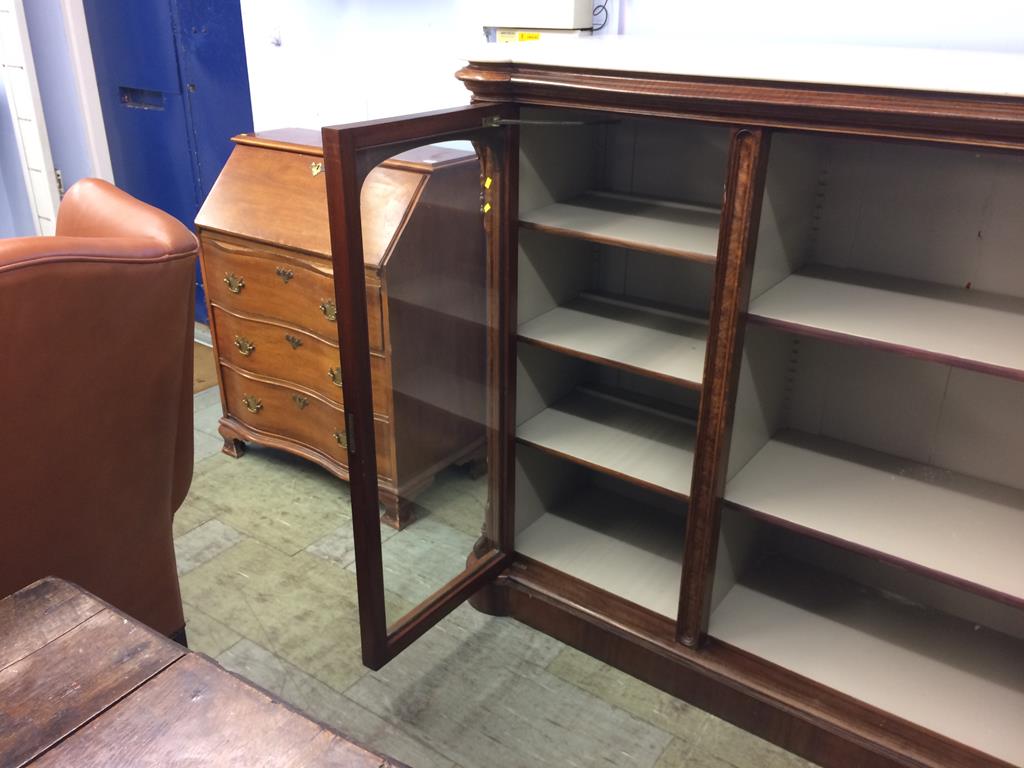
(272,190)
(917,69)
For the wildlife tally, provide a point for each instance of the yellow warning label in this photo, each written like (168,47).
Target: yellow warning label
(515,35)
(487,207)
(487,183)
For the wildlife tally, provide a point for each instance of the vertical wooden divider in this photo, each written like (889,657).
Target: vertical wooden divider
(748,159)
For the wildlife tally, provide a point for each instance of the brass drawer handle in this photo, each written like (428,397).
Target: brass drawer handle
(316,168)
(244,345)
(330,311)
(252,403)
(341,438)
(234,283)
(335,376)
(295,341)
(284,274)
(301,401)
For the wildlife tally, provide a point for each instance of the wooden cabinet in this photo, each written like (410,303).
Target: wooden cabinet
(753,384)
(265,251)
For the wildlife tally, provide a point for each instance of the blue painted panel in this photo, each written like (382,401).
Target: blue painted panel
(216,81)
(150,146)
(174,88)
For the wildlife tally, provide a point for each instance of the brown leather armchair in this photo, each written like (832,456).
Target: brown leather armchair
(96,330)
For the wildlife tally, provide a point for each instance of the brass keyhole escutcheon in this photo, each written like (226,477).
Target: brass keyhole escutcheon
(330,311)
(335,376)
(316,168)
(295,341)
(252,403)
(341,438)
(244,345)
(301,401)
(284,274)
(234,283)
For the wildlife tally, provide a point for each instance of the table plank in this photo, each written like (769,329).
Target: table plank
(67,681)
(40,613)
(194,713)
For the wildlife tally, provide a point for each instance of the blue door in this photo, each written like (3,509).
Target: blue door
(174,89)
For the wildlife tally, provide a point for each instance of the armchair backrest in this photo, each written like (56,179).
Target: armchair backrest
(96,330)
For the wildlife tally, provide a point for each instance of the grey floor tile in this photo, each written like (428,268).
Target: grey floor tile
(423,558)
(283,501)
(635,696)
(723,745)
(206,634)
(204,445)
(206,398)
(338,545)
(203,543)
(475,689)
(207,419)
(323,703)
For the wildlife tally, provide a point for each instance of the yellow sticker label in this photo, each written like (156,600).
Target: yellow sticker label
(487,183)
(506,36)
(487,207)
(523,36)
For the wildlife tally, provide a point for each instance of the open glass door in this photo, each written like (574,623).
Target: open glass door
(421,218)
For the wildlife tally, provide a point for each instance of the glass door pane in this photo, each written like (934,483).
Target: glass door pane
(422,312)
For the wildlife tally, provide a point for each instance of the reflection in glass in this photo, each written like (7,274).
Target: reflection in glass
(424,243)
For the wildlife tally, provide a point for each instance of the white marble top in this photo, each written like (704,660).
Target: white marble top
(953,71)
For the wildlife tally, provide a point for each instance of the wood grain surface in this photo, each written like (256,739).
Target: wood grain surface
(83,685)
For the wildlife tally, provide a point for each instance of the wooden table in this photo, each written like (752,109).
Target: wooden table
(81,684)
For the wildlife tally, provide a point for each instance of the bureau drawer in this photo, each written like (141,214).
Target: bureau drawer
(285,412)
(291,355)
(253,281)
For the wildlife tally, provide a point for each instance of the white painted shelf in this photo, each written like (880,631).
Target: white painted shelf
(615,544)
(626,335)
(640,223)
(948,675)
(972,329)
(969,529)
(647,446)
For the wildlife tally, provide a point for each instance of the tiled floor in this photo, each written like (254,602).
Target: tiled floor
(265,555)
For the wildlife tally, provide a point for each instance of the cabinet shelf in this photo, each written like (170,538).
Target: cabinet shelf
(957,528)
(969,329)
(624,334)
(638,443)
(641,223)
(954,678)
(613,543)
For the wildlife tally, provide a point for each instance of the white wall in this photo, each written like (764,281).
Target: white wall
(320,62)
(994,25)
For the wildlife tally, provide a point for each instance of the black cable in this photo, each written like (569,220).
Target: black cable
(601,7)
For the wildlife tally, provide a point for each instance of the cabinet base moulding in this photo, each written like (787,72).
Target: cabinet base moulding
(780,706)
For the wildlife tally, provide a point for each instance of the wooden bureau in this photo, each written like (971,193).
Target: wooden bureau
(266,262)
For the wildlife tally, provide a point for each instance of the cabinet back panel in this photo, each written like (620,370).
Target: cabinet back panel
(950,216)
(796,172)
(552,271)
(960,420)
(653,277)
(557,163)
(761,395)
(667,159)
(914,587)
